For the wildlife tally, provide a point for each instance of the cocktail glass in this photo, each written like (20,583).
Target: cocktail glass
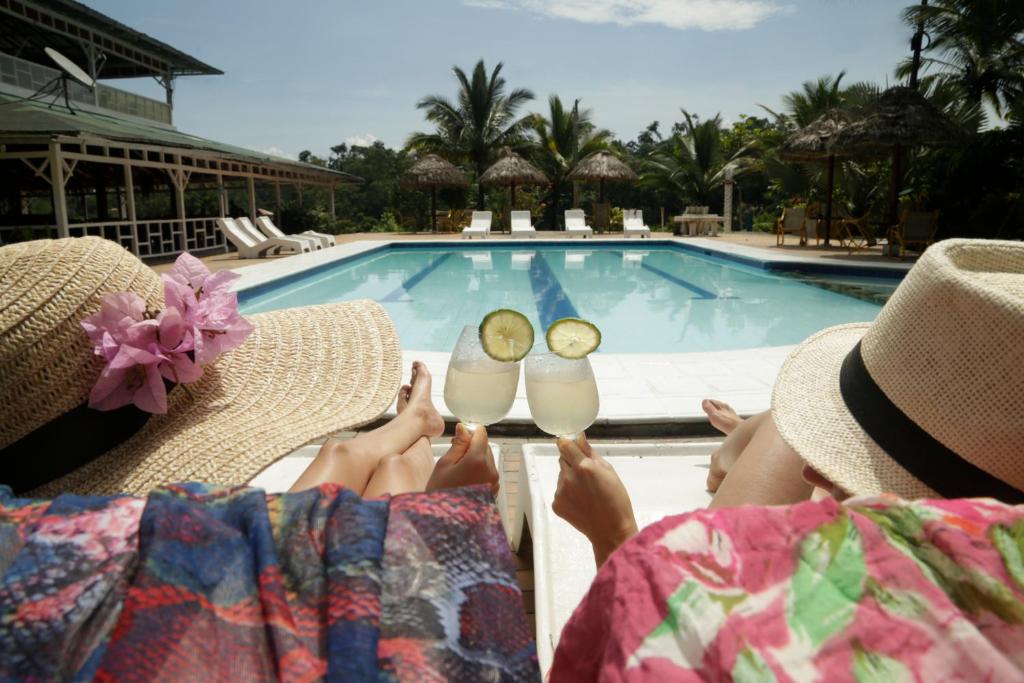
(478,389)
(562,394)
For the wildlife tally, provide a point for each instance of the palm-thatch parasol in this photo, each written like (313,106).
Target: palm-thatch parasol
(602,166)
(904,118)
(511,169)
(432,171)
(811,143)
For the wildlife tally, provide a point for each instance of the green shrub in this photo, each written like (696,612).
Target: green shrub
(387,223)
(765,222)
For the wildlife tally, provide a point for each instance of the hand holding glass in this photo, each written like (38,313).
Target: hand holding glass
(562,394)
(478,389)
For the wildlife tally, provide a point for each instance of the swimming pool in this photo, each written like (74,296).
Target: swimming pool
(645,298)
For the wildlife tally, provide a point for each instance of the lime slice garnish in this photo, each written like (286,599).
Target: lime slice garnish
(506,335)
(573,338)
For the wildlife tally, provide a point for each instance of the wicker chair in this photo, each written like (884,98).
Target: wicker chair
(793,221)
(917,228)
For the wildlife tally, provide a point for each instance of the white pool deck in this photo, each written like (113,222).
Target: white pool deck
(635,388)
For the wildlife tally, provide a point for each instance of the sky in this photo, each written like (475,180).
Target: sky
(310,74)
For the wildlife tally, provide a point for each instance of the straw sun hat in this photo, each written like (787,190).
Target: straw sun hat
(303,373)
(928,400)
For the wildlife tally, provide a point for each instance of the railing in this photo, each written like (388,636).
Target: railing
(163,237)
(24,78)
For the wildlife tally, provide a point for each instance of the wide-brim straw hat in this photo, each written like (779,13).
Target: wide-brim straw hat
(928,400)
(303,373)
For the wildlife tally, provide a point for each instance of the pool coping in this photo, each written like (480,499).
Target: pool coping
(649,389)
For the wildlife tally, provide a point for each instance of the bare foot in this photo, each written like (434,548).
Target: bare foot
(416,397)
(468,462)
(721,415)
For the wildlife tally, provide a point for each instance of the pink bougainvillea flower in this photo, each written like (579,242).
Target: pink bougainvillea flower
(189,271)
(109,328)
(218,326)
(131,377)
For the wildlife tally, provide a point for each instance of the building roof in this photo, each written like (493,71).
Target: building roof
(27,26)
(21,119)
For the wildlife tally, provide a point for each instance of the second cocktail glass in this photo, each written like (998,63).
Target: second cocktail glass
(478,389)
(562,394)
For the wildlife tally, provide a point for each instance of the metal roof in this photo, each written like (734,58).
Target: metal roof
(21,118)
(27,26)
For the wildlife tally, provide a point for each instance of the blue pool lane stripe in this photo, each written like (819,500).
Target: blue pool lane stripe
(700,292)
(404,288)
(552,301)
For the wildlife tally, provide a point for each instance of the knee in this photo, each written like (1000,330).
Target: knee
(393,462)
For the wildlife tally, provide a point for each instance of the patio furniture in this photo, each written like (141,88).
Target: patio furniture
(479,226)
(916,227)
(252,246)
(246,225)
(576,224)
(633,223)
(521,225)
(661,480)
(268,228)
(793,221)
(856,233)
(697,221)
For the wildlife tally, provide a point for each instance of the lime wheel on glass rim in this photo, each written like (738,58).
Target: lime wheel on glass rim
(506,335)
(573,338)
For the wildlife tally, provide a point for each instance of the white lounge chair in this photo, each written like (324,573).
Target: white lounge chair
(521,260)
(576,224)
(521,225)
(633,223)
(661,480)
(268,228)
(479,226)
(245,224)
(250,246)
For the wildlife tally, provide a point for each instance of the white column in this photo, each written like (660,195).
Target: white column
(60,204)
(252,198)
(222,197)
(727,208)
(179,195)
(129,202)
(330,199)
(278,218)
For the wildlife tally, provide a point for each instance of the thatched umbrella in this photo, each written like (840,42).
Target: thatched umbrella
(432,171)
(511,169)
(602,166)
(811,143)
(904,118)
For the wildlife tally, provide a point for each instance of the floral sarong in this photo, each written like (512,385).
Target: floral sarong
(204,584)
(875,589)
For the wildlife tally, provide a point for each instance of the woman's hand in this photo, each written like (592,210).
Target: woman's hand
(591,497)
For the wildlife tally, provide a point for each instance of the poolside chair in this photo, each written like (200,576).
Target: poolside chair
(245,224)
(521,225)
(660,479)
(268,228)
(479,226)
(576,224)
(916,227)
(856,233)
(633,223)
(250,246)
(792,222)
(521,260)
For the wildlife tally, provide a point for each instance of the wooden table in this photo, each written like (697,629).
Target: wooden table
(687,221)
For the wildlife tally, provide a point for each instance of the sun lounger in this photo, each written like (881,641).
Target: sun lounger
(521,260)
(245,224)
(661,480)
(521,225)
(576,224)
(268,228)
(633,223)
(252,246)
(280,476)
(479,226)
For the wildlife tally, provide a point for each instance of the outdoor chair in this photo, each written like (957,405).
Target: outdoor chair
(576,224)
(268,228)
(917,228)
(479,226)
(245,224)
(633,223)
(695,227)
(856,233)
(249,246)
(521,225)
(793,221)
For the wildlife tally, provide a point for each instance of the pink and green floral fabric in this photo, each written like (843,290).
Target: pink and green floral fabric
(874,589)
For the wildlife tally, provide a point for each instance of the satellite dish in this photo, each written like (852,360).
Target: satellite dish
(70,68)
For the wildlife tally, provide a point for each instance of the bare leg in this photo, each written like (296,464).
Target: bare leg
(721,415)
(352,463)
(729,452)
(767,472)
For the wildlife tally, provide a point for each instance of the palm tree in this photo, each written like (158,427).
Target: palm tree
(975,45)
(562,140)
(692,163)
(474,127)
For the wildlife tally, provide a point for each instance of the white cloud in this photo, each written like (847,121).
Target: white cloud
(276,152)
(708,15)
(364,140)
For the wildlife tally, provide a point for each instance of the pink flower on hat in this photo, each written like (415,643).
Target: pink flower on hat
(142,349)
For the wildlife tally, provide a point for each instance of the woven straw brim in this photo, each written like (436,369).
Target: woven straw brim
(811,417)
(303,374)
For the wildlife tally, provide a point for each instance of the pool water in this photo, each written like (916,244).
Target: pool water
(649,299)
